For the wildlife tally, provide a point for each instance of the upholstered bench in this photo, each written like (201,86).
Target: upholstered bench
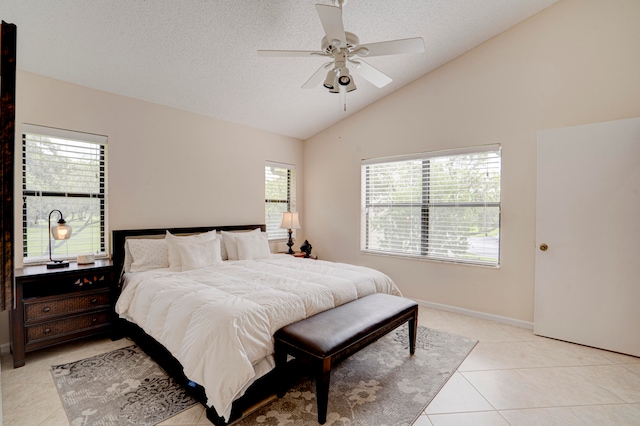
(330,336)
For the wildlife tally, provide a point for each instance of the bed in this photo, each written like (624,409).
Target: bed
(210,322)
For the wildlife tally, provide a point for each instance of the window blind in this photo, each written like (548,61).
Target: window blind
(280,190)
(66,171)
(441,206)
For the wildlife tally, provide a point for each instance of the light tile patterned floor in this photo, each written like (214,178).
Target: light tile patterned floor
(512,377)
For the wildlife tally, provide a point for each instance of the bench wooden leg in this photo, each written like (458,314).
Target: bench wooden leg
(413,330)
(322,390)
(280,357)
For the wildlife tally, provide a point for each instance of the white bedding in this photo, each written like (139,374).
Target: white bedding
(219,321)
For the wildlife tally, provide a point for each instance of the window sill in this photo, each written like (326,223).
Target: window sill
(429,259)
(37,262)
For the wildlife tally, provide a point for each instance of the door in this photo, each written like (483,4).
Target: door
(588,216)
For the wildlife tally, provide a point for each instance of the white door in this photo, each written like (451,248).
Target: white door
(588,214)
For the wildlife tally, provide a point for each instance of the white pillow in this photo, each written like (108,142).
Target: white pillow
(223,248)
(230,238)
(175,261)
(147,254)
(199,254)
(254,246)
(127,257)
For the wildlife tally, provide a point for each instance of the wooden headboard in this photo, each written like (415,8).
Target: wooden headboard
(120,236)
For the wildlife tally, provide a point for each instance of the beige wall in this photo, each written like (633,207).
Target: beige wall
(165,167)
(577,62)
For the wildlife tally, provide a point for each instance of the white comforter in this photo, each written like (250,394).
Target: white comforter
(219,321)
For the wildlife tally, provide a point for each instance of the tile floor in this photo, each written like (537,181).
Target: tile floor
(512,377)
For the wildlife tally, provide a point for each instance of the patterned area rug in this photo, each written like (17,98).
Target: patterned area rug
(380,385)
(122,387)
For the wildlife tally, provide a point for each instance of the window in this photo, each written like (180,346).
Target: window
(441,206)
(66,171)
(280,197)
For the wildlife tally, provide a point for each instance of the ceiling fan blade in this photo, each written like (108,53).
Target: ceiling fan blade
(279,53)
(317,76)
(391,47)
(331,18)
(373,75)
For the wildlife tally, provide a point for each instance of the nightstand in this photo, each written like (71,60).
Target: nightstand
(59,305)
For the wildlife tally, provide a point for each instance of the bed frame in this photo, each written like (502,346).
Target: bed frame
(260,391)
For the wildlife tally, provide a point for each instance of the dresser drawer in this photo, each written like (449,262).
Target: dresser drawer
(48,307)
(67,325)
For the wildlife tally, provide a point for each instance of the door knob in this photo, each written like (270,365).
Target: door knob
(544,247)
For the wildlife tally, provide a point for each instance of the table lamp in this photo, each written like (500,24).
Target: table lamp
(290,222)
(61,231)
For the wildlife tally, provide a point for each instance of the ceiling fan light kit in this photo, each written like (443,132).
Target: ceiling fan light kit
(330,81)
(342,47)
(339,76)
(346,81)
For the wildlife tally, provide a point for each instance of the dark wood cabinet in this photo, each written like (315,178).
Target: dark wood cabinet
(59,305)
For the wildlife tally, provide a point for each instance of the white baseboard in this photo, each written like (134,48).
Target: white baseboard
(5,348)
(477,314)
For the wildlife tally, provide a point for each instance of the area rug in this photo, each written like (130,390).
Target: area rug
(122,387)
(380,385)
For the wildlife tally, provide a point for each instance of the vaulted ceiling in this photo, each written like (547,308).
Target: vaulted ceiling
(200,55)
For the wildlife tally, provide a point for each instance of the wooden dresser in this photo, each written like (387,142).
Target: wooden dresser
(59,305)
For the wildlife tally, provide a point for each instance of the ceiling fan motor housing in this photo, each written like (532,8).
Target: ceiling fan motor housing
(329,47)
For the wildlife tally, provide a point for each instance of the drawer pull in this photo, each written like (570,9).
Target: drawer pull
(94,301)
(46,309)
(47,330)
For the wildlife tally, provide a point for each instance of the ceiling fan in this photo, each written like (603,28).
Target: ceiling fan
(345,51)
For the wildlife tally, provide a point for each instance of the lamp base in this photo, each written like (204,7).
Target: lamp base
(57,264)
(290,243)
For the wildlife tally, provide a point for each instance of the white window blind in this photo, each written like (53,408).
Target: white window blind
(280,196)
(442,205)
(66,171)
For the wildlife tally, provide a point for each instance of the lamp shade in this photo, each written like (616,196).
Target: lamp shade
(290,220)
(61,231)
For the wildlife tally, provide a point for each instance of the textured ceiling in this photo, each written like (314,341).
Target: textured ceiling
(200,55)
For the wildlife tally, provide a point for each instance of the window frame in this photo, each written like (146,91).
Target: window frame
(100,142)
(427,207)
(289,200)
